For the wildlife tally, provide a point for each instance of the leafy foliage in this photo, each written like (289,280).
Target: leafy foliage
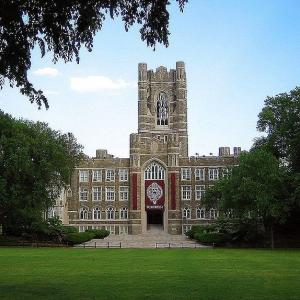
(36,163)
(99,233)
(257,189)
(63,27)
(78,237)
(280,119)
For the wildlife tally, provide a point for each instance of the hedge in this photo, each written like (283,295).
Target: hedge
(98,233)
(78,237)
(212,238)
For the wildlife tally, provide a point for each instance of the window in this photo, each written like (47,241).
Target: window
(123,175)
(186,228)
(186,192)
(124,213)
(123,193)
(225,172)
(110,228)
(162,109)
(213,213)
(199,192)
(82,228)
(200,213)
(110,193)
(123,230)
(185,174)
(200,174)
(213,174)
(83,194)
(110,175)
(83,176)
(110,213)
(83,215)
(69,192)
(186,213)
(97,175)
(97,193)
(165,138)
(96,213)
(155,171)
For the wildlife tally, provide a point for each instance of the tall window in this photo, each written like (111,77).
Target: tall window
(96,213)
(213,174)
(162,109)
(111,229)
(110,213)
(200,213)
(110,193)
(199,191)
(97,193)
(123,175)
(154,171)
(123,229)
(213,213)
(123,193)
(83,176)
(186,213)
(83,214)
(83,194)
(110,175)
(123,213)
(200,174)
(186,192)
(97,175)
(185,174)
(186,228)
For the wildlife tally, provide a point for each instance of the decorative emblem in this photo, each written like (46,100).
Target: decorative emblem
(154,192)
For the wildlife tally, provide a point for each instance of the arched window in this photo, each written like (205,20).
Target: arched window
(162,109)
(96,213)
(124,213)
(83,214)
(155,171)
(200,213)
(213,213)
(186,213)
(110,213)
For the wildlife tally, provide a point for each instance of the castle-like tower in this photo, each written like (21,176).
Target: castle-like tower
(159,184)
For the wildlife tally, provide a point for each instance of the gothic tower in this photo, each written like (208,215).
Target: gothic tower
(162,104)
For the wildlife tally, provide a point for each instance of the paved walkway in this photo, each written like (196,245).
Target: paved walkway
(154,238)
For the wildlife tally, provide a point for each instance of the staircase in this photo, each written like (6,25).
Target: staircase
(153,238)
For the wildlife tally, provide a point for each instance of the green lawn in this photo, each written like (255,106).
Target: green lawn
(149,274)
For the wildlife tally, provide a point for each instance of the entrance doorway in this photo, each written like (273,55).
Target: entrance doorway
(155,219)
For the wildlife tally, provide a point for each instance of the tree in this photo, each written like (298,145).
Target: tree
(255,188)
(280,119)
(63,27)
(36,163)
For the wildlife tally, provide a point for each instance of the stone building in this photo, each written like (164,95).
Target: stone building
(159,183)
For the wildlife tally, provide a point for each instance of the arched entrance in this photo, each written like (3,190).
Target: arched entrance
(155,196)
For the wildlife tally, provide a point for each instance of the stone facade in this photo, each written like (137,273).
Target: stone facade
(159,183)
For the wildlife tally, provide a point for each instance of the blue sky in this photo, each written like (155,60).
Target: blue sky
(236,54)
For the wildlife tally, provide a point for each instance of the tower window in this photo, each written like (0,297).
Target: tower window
(162,109)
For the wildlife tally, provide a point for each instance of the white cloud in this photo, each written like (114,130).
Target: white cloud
(46,72)
(98,83)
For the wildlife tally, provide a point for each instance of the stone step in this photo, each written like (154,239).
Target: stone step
(151,239)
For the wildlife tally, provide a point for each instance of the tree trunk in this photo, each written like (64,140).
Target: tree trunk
(272,236)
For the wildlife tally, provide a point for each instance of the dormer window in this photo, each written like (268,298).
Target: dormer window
(162,109)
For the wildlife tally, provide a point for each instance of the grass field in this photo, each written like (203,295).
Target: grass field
(54,273)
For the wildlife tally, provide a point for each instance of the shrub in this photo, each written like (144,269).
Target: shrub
(212,238)
(98,233)
(69,229)
(198,229)
(78,237)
